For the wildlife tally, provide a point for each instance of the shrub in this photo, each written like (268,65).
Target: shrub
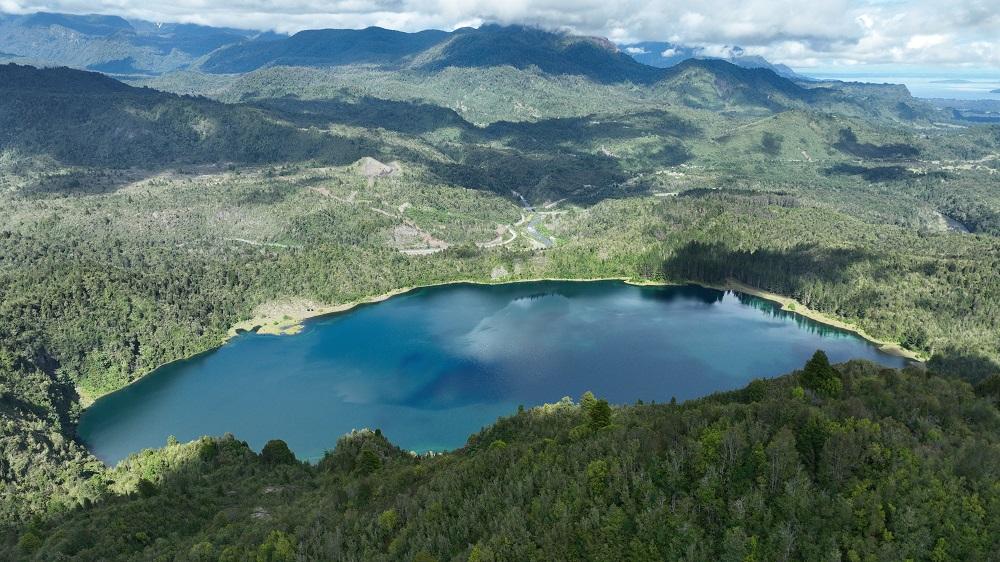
(599,415)
(276,451)
(820,377)
(145,488)
(368,461)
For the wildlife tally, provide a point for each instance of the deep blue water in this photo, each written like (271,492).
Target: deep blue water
(433,366)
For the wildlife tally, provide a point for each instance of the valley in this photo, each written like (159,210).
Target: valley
(250,183)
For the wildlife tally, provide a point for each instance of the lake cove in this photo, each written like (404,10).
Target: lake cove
(433,366)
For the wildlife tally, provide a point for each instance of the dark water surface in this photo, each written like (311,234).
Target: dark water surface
(435,365)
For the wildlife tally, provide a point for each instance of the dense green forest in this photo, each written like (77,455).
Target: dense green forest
(847,462)
(138,226)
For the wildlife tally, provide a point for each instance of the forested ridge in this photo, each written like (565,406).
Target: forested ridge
(846,462)
(86,119)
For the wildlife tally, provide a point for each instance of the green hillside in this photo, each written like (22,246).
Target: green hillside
(86,119)
(431,51)
(324,47)
(852,462)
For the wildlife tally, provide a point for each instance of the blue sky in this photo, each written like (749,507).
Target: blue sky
(826,35)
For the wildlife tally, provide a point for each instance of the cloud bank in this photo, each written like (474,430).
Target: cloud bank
(959,33)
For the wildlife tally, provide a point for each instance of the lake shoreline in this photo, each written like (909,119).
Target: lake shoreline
(294,324)
(437,364)
(291,324)
(791,305)
(292,320)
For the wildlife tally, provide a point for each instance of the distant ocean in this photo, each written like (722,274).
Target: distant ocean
(950,86)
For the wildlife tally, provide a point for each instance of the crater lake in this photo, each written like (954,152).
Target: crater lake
(432,366)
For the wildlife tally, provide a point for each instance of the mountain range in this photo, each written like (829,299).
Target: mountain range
(120,46)
(112,44)
(490,45)
(665,55)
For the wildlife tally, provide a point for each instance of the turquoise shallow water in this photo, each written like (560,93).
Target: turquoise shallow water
(433,366)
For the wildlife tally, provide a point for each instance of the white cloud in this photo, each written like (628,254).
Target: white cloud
(671,52)
(636,51)
(832,32)
(925,41)
(716,51)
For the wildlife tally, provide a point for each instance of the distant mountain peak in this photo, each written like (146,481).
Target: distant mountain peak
(664,55)
(489,45)
(117,46)
(111,43)
(91,24)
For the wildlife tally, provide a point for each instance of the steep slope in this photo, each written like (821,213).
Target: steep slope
(715,84)
(665,55)
(324,47)
(847,462)
(524,47)
(112,44)
(488,46)
(84,118)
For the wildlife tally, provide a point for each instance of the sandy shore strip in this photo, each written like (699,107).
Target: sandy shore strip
(286,317)
(795,307)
